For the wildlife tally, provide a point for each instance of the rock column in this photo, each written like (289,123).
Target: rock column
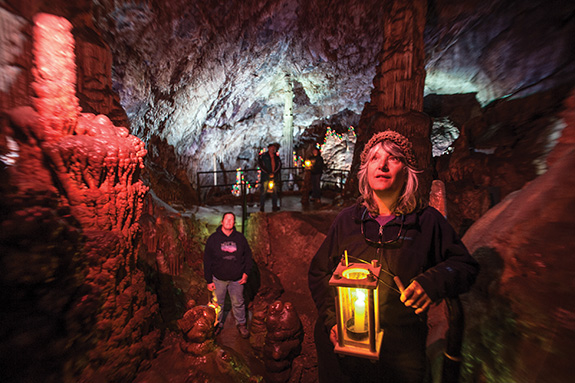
(397,98)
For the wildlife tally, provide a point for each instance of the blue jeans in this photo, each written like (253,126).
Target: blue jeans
(236,296)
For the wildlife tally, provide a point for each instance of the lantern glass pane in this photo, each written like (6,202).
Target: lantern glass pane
(354,305)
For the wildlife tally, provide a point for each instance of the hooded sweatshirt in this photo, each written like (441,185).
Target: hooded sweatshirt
(227,257)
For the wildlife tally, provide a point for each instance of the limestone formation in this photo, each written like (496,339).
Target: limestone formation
(90,170)
(283,340)
(397,98)
(520,313)
(197,357)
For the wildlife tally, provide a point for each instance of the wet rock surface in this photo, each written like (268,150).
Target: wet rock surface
(520,312)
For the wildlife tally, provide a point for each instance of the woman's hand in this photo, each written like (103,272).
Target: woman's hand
(415,297)
(333,335)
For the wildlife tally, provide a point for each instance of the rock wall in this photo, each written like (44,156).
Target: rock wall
(171,255)
(73,291)
(520,314)
(501,147)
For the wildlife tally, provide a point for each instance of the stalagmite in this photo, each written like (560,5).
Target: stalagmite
(92,170)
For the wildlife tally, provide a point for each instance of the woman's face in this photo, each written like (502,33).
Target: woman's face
(385,172)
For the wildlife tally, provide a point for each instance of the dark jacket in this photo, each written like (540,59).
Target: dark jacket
(317,164)
(265,164)
(428,251)
(227,258)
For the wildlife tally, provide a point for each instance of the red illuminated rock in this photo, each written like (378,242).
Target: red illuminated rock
(197,357)
(283,340)
(90,169)
(197,325)
(55,73)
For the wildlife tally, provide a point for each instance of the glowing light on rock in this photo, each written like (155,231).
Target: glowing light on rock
(337,152)
(443,134)
(297,160)
(96,166)
(437,82)
(55,73)
(240,179)
(10,157)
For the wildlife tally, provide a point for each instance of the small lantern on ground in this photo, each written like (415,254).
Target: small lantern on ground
(357,308)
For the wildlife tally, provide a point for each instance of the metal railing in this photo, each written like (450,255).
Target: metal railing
(289,177)
(224,181)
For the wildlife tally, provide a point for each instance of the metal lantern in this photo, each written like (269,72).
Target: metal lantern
(357,309)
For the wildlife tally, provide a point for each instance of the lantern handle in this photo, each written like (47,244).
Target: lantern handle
(344,259)
(399,284)
(395,278)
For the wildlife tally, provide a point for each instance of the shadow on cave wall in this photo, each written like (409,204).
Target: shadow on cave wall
(490,329)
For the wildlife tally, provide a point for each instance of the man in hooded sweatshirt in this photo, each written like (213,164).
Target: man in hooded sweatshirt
(227,264)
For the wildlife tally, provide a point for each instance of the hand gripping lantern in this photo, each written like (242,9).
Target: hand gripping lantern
(357,308)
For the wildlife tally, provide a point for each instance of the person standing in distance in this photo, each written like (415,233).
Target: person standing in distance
(227,264)
(316,172)
(270,166)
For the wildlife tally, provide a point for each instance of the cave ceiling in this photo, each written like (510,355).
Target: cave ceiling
(211,76)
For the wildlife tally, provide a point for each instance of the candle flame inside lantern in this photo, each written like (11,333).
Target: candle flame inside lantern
(359,315)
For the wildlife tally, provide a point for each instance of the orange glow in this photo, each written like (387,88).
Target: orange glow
(355,273)
(217,308)
(359,312)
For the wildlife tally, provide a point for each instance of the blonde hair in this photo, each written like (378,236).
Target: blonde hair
(408,200)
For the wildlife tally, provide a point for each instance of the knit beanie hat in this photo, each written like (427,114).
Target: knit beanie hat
(396,138)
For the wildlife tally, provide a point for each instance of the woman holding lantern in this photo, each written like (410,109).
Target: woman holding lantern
(408,244)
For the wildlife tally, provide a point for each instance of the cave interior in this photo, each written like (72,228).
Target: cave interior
(129,126)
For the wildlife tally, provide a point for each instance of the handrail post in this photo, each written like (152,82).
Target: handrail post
(244,203)
(199,188)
